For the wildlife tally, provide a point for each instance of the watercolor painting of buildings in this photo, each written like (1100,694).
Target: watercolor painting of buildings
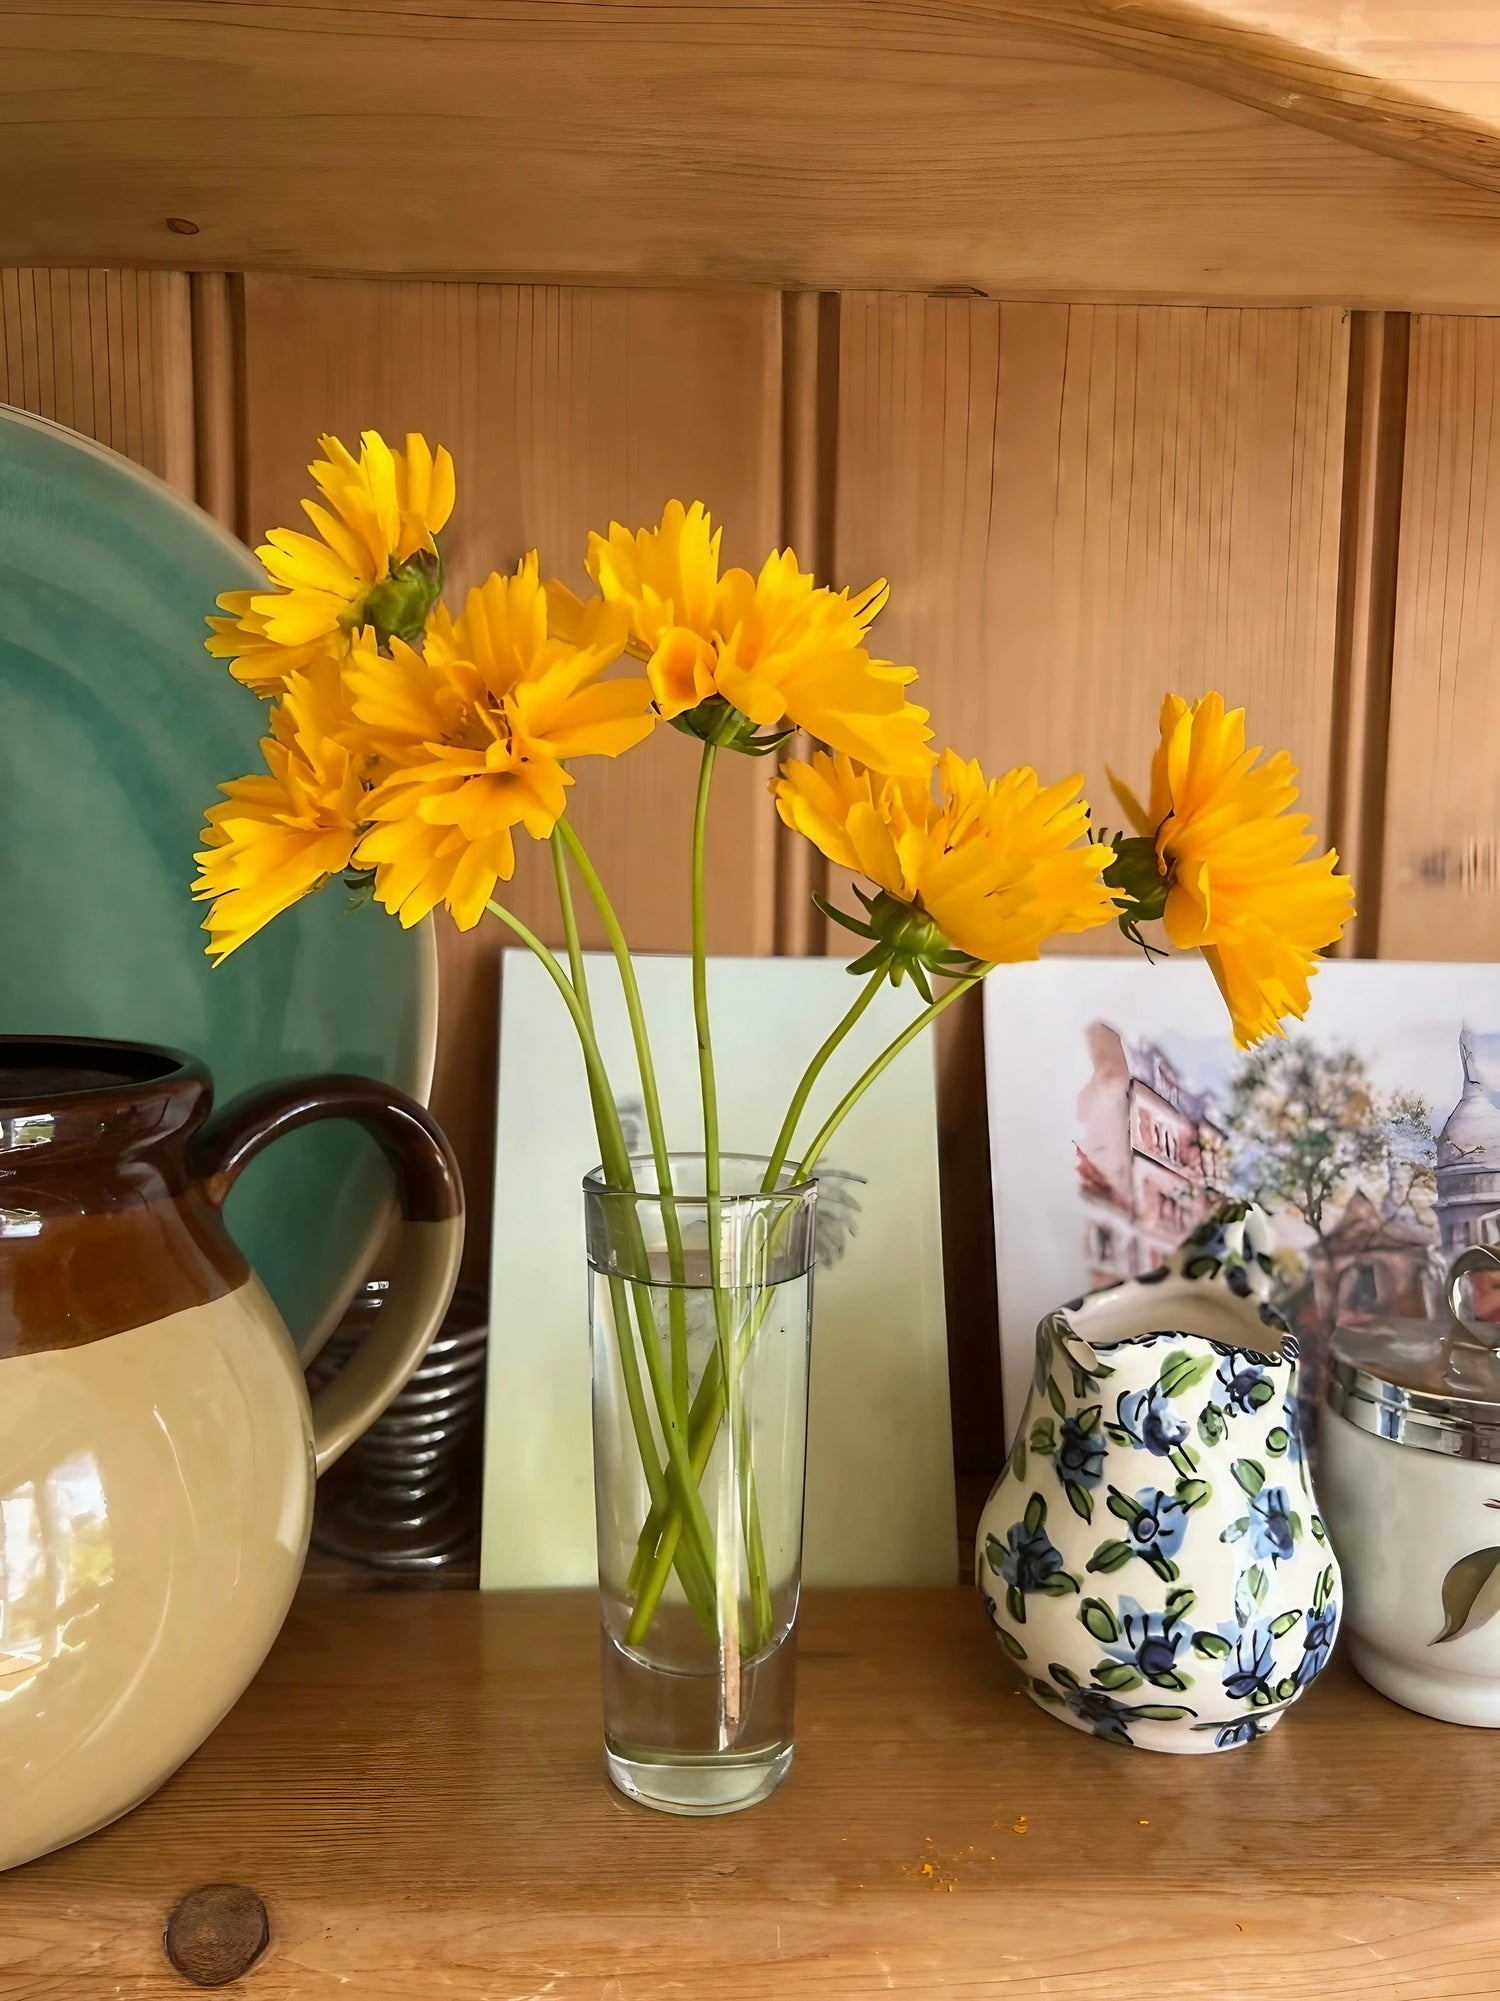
(1371,1134)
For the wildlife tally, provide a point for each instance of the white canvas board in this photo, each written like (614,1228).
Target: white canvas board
(880,1504)
(1119,1115)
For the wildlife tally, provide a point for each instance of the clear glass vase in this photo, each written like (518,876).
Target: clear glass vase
(700,1311)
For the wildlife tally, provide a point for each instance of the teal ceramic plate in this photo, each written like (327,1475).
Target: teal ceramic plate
(115,729)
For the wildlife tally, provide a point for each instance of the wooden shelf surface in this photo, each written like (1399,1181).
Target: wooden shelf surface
(413,1787)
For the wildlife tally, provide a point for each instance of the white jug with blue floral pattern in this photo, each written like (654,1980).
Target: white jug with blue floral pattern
(1152,1557)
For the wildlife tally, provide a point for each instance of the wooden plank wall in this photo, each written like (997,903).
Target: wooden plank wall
(1078,507)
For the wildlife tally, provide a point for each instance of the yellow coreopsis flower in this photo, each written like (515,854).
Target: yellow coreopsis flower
(473,734)
(1232,865)
(988,869)
(283,831)
(374,562)
(777,648)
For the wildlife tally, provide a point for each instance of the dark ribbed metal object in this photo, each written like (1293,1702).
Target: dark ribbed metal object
(407,1496)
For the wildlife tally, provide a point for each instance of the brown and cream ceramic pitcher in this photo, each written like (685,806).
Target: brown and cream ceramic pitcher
(157,1447)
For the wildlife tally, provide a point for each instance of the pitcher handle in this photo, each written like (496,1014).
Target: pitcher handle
(430,1191)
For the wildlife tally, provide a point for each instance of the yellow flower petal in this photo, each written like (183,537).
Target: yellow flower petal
(1243,884)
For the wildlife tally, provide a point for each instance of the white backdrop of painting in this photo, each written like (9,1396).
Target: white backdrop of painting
(1120,1113)
(880,1506)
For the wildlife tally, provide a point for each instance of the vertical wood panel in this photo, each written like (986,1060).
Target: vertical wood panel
(1442,829)
(108,354)
(1374,451)
(1079,508)
(1083,506)
(564,407)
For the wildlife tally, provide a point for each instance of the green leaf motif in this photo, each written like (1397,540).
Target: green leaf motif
(1099,1619)
(1181,1372)
(1015,1604)
(1018,1459)
(1080,1499)
(1116,1675)
(1056,1398)
(994,1552)
(1236,1529)
(1323,1589)
(1111,1555)
(1036,1514)
(1164,1567)
(1118,1435)
(1471,1594)
(1250,1474)
(1261,1393)
(1043,1437)
(1212,1646)
(1320,1534)
(1090,1420)
(1059,1584)
(1258,1582)
(1184,1459)
(1170,1678)
(1123,1506)
(1193,1493)
(1180,1602)
(1213,1428)
(1063,1676)
(1043,1691)
(1284,1622)
(1011,1644)
(1161,1712)
(1278,1441)
(1286,1688)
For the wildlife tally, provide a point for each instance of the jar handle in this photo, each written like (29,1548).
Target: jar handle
(430,1191)
(1478,1257)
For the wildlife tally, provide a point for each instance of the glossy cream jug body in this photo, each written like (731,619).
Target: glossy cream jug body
(158,1451)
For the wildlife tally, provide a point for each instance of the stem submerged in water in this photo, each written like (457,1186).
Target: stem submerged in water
(661,1534)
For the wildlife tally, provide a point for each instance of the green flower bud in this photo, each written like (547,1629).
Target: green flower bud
(397,607)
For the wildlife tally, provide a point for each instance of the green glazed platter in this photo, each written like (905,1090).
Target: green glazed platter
(115,729)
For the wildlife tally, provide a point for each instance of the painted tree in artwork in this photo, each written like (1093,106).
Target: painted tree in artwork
(1307,1126)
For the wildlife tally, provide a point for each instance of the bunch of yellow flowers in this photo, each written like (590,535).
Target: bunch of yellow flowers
(407,745)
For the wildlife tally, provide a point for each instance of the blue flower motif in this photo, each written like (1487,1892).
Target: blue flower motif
(1273,1526)
(1147,1415)
(1149,1641)
(1237,1375)
(1249,1668)
(1103,1715)
(1161,1523)
(1291,1419)
(1029,1557)
(1317,1643)
(1080,1454)
(1229,1734)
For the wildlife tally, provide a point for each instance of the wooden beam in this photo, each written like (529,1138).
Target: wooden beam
(886,144)
(1416,79)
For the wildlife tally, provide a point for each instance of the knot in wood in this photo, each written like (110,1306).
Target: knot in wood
(217,1933)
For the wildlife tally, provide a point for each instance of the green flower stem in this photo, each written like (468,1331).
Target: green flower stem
(709,1404)
(881,1063)
(810,1077)
(701,1020)
(676,1303)
(617,1167)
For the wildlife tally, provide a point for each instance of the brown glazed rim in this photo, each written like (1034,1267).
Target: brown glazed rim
(93,1052)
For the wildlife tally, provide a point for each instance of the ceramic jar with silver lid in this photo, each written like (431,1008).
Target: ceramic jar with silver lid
(1409,1476)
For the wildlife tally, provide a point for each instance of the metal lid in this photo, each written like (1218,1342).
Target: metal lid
(1420,1382)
